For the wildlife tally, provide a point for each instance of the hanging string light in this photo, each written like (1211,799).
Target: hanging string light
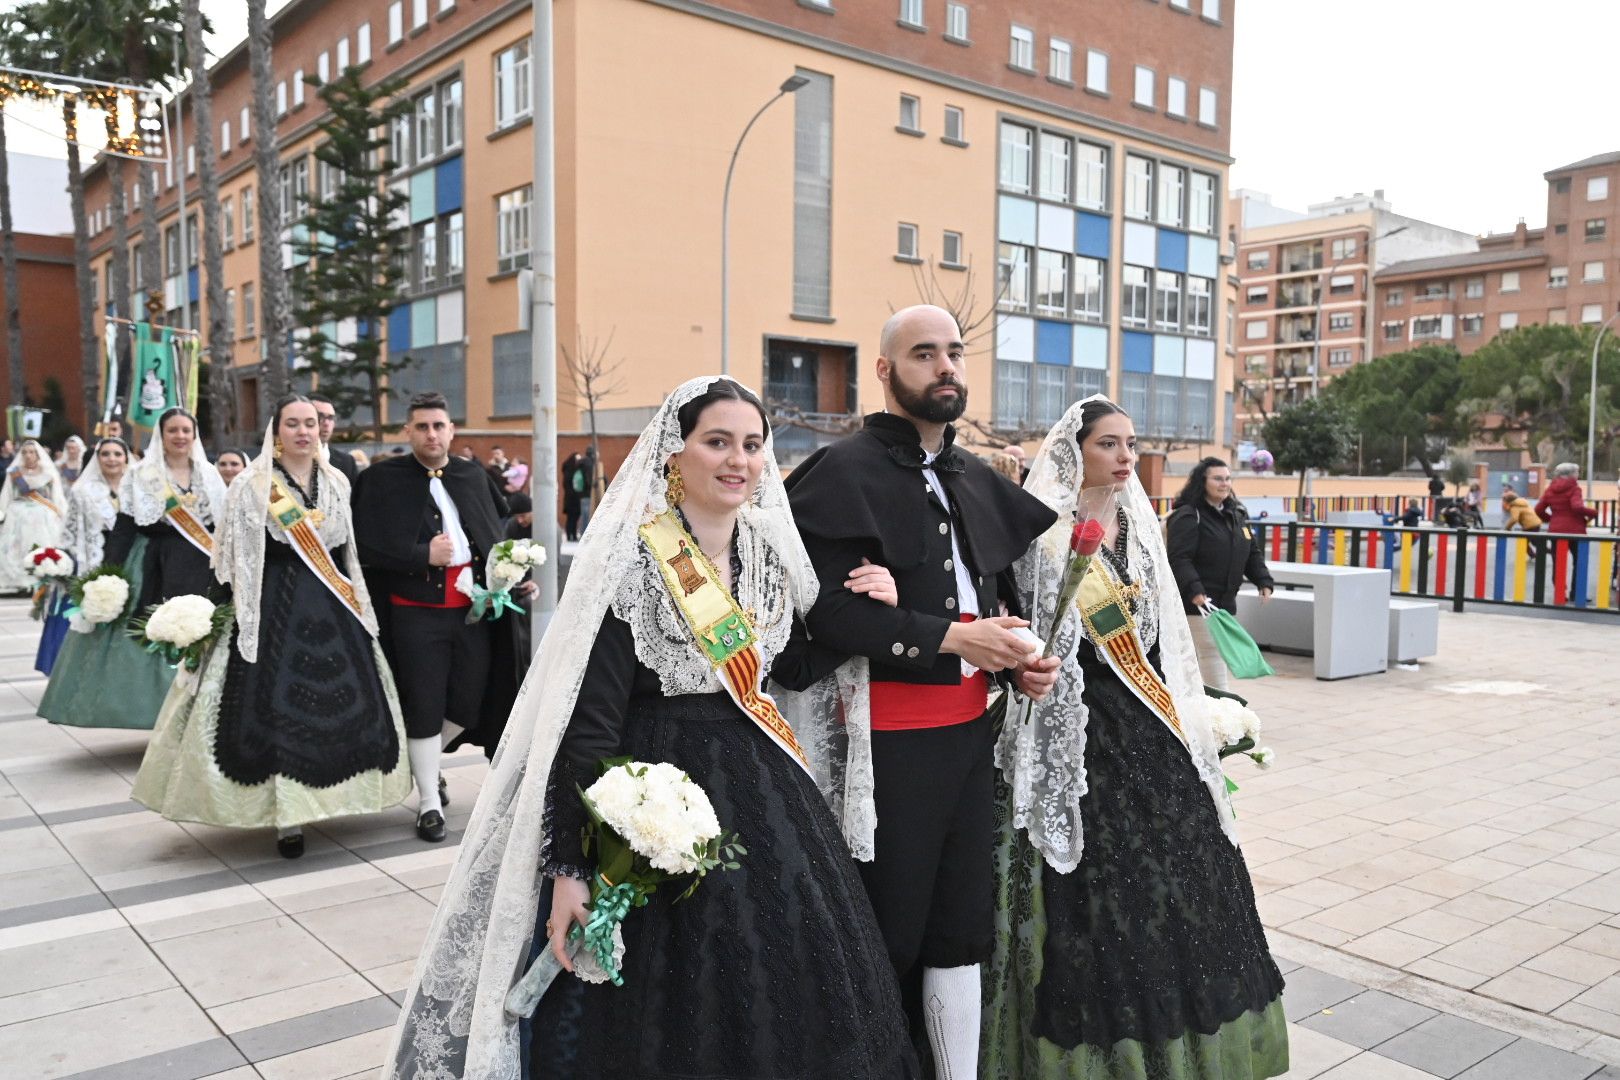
(133,119)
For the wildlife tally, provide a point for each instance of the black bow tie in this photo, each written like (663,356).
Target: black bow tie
(911,456)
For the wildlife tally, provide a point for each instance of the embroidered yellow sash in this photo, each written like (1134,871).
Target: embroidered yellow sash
(296,522)
(719,626)
(1111,626)
(43,501)
(186,523)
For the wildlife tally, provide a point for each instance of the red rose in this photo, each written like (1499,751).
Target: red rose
(1087,538)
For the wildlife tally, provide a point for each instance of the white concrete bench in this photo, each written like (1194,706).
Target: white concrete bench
(1343,622)
(1414,629)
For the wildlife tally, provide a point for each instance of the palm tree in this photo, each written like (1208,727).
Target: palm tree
(220,337)
(8,254)
(275,308)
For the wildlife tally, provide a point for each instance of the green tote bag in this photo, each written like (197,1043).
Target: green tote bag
(1237,648)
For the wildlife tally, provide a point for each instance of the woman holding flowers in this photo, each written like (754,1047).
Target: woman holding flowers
(31,505)
(294,717)
(683,593)
(1127,941)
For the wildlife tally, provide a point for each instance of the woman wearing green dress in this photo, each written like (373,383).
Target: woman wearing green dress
(102,678)
(293,716)
(1128,946)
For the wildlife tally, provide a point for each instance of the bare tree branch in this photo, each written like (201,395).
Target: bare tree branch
(592,379)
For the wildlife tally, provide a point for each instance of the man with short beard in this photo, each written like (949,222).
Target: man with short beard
(900,493)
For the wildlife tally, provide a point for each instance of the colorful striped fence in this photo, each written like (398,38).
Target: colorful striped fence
(1608,510)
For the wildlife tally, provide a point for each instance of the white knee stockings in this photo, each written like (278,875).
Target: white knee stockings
(424,754)
(951,998)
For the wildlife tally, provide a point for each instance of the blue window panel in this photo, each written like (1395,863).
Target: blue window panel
(1093,235)
(1052,343)
(1169,355)
(425,321)
(191,285)
(447,184)
(1017,220)
(1091,348)
(1172,251)
(399,331)
(1136,352)
(422,196)
(1200,358)
(1203,256)
(1141,248)
(1056,227)
(1015,339)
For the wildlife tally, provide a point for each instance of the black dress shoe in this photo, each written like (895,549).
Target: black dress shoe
(291,847)
(430,827)
(444,792)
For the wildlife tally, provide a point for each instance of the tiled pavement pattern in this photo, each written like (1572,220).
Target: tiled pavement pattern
(1441,866)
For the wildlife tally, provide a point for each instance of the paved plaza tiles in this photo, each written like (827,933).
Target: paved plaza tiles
(1436,852)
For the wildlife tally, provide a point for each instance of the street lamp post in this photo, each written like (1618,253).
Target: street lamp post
(179,157)
(789,85)
(1591,410)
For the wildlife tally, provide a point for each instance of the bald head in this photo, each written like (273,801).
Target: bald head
(903,327)
(922,365)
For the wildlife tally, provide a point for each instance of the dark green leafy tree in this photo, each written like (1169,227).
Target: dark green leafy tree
(1315,434)
(1530,388)
(355,246)
(1402,408)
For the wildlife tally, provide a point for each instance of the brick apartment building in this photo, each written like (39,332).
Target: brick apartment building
(49,302)
(1066,173)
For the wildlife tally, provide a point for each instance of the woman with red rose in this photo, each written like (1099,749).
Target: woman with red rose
(1127,941)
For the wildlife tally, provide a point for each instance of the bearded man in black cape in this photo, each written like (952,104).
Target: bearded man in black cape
(901,494)
(425,523)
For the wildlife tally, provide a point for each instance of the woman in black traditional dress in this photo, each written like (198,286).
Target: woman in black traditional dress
(1128,946)
(773,970)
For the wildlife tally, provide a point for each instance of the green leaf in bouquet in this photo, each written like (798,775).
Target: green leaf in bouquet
(1242,746)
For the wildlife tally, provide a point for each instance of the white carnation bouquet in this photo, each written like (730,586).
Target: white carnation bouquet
(99,597)
(649,824)
(509,563)
(50,565)
(1238,729)
(181,628)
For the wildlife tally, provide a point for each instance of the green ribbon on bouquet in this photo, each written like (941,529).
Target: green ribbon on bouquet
(608,908)
(493,602)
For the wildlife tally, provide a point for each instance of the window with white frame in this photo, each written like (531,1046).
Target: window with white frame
(450,115)
(1201,204)
(1342,284)
(1428,326)
(1138,187)
(512,85)
(1091,176)
(1060,61)
(1474,288)
(1510,281)
(250,311)
(1090,288)
(1340,321)
(1259,260)
(1207,109)
(910,113)
(1473,324)
(1507,320)
(1144,94)
(1051,282)
(419,14)
(955,127)
(1017,153)
(1172,190)
(425,111)
(512,229)
(362,44)
(1021,48)
(1012,277)
(1339,357)
(227,222)
(342,63)
(248,214)
(1394,297)
(951,249)
(1558,277)
(1135,295)
(1097,71)
(1394,330)
(400,139)
(244,122)
(1597,228)
(911,12)
(1200,301)
(1212,10)
(1255,330)
(300,184)
(1175,96)
(1056,153)
(396,22)
(1344,248)
(224,137)
(1593,271)
(191,159)
(298,88)
(1597,188)
(281,98)
(906,245)
(446,5)
(1558,317)
(956,21)
(323,68)
(1591,313)
(1257,294)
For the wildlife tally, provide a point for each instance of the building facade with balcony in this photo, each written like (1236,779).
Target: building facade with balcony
(1062,178)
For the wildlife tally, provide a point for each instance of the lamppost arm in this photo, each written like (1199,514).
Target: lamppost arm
(725,237)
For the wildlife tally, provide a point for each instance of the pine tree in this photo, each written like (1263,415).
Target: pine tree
(355,244)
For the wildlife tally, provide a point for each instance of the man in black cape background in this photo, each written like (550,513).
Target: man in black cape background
(421,520)
(900,493)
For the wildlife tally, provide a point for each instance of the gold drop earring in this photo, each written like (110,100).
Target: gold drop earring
(275,451)
(675,486)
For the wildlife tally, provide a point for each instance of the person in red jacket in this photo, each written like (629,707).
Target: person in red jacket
(1561,505)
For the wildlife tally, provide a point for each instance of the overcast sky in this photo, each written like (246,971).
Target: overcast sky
(1454,107)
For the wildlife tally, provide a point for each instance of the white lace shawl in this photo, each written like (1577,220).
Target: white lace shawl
(141,494)
(44,479)
(454,1022)
(91,512)
(240,536)
(1043,760)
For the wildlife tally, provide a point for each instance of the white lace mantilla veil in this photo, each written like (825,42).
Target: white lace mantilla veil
(1043,760)
(45,478)
(454,1023)
(90,510)
(141,494)
(239,539)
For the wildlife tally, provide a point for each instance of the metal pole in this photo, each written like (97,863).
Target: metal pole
(725,240)
(1591,411)
(543,321)
(180,173)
